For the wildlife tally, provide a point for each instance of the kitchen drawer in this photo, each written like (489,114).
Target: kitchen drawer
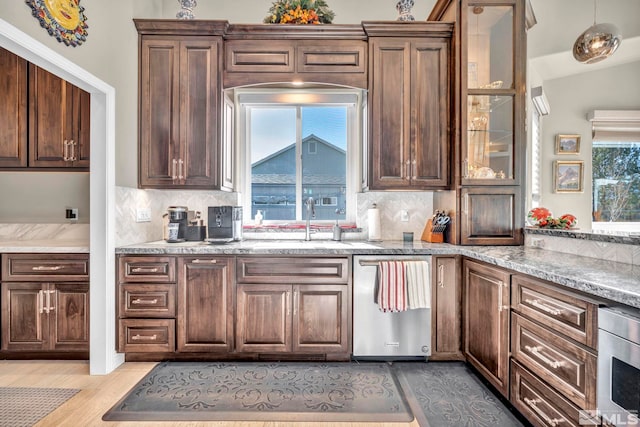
(331,57)
(146,269)
(540,404)
(156,300)
(45,267)
(264,57)
(565,312)
(289,270)
(564,365)
(141,335)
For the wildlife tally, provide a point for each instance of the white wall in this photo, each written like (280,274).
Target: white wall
(570,99)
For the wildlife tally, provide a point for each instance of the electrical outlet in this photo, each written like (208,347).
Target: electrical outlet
(537,243)
(71,214)
(143,215)
(404,215)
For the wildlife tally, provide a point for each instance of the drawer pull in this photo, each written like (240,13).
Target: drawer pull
(441,275)
(536,303)
(533,404)
(47,268)
(139,337)
(144,270)
(204,261)
(536,352)
(145,301)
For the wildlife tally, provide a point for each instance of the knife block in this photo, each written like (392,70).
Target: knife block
(428,235)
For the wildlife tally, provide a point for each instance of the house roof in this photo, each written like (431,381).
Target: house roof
(311,137)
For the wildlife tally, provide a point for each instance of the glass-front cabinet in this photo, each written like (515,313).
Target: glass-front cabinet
(493,84)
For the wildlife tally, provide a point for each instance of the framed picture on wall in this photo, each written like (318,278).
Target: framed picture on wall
(568,176)
(567,144)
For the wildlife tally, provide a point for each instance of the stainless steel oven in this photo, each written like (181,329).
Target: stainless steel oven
(619,366)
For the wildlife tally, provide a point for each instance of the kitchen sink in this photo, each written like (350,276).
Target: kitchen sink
(313,244)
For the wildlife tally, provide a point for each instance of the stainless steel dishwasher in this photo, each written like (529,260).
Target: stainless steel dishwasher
(382,335)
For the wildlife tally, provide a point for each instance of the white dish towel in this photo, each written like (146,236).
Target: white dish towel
(418,284)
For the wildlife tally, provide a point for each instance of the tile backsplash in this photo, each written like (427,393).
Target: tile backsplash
(619,252)
(419,206)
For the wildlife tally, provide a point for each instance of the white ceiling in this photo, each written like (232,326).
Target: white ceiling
(561,22)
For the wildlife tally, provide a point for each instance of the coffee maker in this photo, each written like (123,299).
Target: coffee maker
(178,222)
(224,223)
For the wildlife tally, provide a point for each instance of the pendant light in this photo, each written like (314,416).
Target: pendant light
(598,42)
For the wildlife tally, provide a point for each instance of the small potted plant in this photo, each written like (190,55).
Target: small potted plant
(299,12)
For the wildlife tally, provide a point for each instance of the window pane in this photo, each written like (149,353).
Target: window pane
(324,160)
(616,181)
(273,162)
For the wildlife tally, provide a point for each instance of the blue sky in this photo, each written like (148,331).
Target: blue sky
(275,128)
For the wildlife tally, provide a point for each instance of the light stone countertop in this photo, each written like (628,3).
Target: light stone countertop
(613,281)
(44,246)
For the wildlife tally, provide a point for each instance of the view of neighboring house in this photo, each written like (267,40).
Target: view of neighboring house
(273,181)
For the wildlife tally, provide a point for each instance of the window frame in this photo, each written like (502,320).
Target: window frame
(246,98)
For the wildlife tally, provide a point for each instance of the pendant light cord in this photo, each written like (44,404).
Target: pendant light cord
(595,11)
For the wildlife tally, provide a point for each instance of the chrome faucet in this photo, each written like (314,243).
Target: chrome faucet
(311,213)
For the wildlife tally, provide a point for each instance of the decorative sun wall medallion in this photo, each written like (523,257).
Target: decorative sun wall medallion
(63,19)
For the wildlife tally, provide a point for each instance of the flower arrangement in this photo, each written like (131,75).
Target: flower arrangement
(543,218)
(299,12)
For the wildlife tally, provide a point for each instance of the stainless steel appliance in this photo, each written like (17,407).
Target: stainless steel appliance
(382,335)
(619,365)
(224,223)
(177,215)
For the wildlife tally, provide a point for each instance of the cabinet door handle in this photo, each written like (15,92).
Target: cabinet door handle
(47,268)
(533,404)
(407,169)
(441,275)
(295,302)
(174,165)
(414,170)
(288,303)
(138,301)
(550,310)
(139,337)
(465,203)
(555,364)
(204,261)
(501,307)
(65,151)
(50,307)
(180,164)
(41,301)
(72,144)
(144,270)
(465,168)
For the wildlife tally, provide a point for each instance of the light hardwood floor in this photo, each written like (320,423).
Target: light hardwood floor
(100,392)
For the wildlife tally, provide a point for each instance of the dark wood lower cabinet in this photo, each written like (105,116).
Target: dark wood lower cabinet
(298,318)
(45,317)
(205,304)
(486,321)
(446,296)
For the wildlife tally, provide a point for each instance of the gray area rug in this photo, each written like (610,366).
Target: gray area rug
(253,391)
(22,406)
(450,394)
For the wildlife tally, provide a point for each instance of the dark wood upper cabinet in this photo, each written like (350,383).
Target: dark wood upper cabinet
(44,120)
(491,216)
(409,84)
(59,122)
(327,54)
(179,107)
(13,110)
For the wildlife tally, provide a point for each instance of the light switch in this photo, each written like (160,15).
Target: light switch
(404,215)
